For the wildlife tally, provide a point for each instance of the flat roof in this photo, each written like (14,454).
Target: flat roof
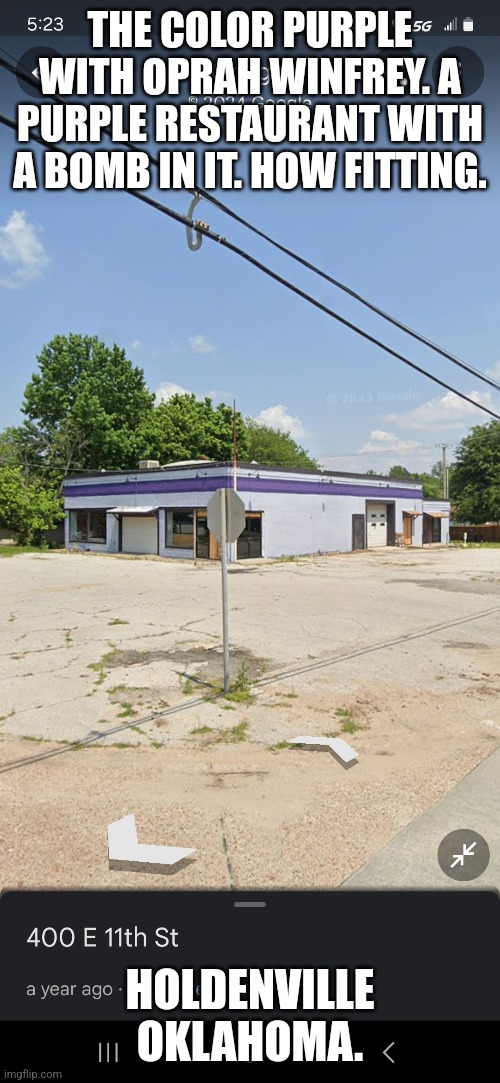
(212,464)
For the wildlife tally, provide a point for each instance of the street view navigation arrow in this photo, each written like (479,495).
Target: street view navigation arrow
(225,520)
(124,849)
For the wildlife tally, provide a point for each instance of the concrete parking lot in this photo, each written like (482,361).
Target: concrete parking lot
(397,651)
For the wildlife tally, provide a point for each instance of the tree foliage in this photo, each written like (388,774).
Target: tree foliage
(431,485)
(271,447)
(475,480)
(84,406)
(28,508)
(185,427)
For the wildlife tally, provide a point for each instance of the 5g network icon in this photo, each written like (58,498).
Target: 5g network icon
(420,26)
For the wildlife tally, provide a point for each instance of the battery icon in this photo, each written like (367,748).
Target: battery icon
(468,24)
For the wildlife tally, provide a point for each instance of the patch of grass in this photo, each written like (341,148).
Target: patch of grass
(37,740)
(188,687)
(9,714)
(475,545)
(123,744)
(117,620)
(289,695)
(102,722)
(127,710)
(348,725)
(240,691)
(100,666)
(157,744)
(12,617)
(227,707)
(67,636)
(201,730)
(280,745)
(16,550)
(137,729)
(234,735)
(285,560)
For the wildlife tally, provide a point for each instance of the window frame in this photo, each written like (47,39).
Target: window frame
(74,537)
(171,534)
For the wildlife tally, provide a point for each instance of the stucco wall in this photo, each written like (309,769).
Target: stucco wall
(313,514)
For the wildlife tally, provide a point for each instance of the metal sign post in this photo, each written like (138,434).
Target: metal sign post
(225,520)
(225,611)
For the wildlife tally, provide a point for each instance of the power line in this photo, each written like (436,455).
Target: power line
(282,248)
(205,231)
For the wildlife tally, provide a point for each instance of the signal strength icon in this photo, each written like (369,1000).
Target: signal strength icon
(453,25)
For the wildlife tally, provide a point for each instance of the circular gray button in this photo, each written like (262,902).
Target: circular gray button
(463,854)
(28,63)
(470,66)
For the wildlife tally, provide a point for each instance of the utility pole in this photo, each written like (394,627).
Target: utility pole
(445,472)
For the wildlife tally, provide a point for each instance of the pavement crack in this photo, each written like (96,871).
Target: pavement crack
(225,847)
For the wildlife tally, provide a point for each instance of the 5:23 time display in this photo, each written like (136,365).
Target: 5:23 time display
(47,23)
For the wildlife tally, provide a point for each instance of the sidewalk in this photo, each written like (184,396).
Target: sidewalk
(410,860)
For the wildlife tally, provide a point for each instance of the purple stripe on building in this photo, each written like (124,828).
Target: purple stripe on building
(245,485)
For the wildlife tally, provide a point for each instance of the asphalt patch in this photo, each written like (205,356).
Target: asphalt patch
(454,586)
(189,660)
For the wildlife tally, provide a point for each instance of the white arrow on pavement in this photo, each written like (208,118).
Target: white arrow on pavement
(337,745)
(123,846)
(468,851)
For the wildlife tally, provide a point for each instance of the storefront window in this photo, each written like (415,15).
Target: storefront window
(87,526)
(180,531)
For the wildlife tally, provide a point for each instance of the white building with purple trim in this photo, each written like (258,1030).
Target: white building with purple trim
(162,510)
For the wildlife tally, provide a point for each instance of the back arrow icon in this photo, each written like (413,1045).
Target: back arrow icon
(386,1053)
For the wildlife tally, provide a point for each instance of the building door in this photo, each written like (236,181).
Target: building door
(436,530)
(250,541)
(358,532)
(376,525)
(202,537)
(140,534)
(407,529)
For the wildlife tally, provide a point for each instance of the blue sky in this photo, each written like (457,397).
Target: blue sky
(104,264)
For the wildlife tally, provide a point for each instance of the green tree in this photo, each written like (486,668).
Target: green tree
(28,508)
(271,447)
(431,484)
(475,479)
(400,472)
(84,406)
(185,427)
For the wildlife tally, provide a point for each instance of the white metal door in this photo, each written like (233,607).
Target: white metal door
(376,525)
(139,534)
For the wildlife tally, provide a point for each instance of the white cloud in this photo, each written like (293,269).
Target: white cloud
(168,389)
(447,412)
(277,417)
(199,344)
(136,344)
(379,440)
(22,250)
(493,372)
(381,451)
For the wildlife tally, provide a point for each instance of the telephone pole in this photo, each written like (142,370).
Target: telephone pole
(444,470)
